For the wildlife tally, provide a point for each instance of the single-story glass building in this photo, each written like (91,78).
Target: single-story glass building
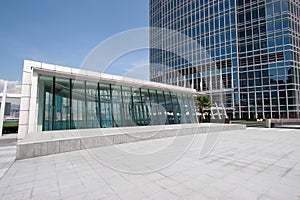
(61,98)
(65,109)
(68,103)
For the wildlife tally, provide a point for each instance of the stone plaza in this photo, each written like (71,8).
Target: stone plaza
(255,163)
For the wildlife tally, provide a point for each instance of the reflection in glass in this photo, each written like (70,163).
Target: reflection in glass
(46,88)
(92,101)
(105,104)
(62,104)
(77,104)
(117,105)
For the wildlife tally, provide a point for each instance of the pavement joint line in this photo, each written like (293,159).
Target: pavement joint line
(275,153)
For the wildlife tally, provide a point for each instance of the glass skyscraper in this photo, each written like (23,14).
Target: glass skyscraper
(246,57)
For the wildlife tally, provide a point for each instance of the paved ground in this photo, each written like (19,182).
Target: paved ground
(7,152)
(252,164)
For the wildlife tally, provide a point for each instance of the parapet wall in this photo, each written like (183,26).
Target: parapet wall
(54,142)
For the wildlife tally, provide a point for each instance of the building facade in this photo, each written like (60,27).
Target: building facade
(246,57)
(61,98)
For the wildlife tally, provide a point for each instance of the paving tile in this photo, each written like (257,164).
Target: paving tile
(20,187)
(281,191)
(195,196)
(17,195)
(241,193)
(133,194)
(251,164)
(150,188)
(39,191)
(111,197)
(7,152)
(101,193)
(71,190)
(165,194)
(50,195)
(180,190)
(166,182)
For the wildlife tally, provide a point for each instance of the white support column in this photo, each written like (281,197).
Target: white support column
(25,99)
(33,111)
(2,110)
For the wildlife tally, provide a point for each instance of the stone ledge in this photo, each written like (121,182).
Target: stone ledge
(271,123)
(46,145)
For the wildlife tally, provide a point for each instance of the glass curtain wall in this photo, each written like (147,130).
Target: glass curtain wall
(62,104)
(117,105)
(79,117)
(127,107)
(145,99)
(106,106)
(76,104)
(137,108)
(162,114)
(154,107)
(93,105)
(46,86)
(169,108)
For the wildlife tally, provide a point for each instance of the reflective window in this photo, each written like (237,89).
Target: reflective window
(62,104)
(128,105)
(46,91)
(105,105)
(76,104)
(117,105)
(146,106)
(93,105)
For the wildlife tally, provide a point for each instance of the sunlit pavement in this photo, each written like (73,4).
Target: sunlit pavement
(7,151)
(255,163)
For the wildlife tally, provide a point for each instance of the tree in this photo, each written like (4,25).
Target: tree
(203,102)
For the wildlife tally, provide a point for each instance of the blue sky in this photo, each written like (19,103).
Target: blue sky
(63,32)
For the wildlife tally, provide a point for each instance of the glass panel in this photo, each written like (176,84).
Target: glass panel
(78,105)
(137,107)
(192,109)
(146,106)
(182,108)
(162,114)
(117,105)
(176,108)
(92,99)
(169,108)
(46,94)
(187,108)
(62,104)
(105,104)
(155,117)
(128,105)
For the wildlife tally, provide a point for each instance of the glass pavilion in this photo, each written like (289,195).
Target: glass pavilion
(67,103)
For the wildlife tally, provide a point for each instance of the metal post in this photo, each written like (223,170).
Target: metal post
(224,110)
(219,115)
(2,110)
